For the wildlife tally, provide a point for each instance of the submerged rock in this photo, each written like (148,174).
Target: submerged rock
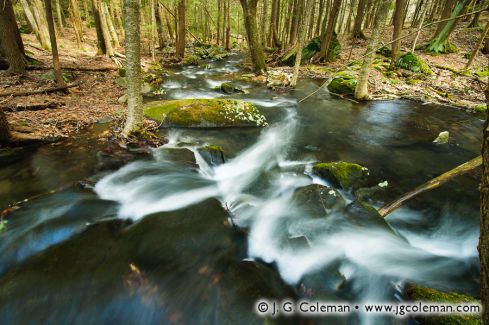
(362,214)
(418,293)
(442,138)
(318,200)
(205,113)
(213,155)
(343,82)
(344,174)
(411,62)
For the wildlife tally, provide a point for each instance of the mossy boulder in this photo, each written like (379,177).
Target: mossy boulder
(418,293)
(411,62)
(344,174)
(318,200)
(205,113)
(229,88)
(343,82)
(213,155)
(192,60)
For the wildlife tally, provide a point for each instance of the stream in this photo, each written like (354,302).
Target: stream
(170,238)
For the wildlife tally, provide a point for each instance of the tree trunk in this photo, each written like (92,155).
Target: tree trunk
(180,46)
(59,16)
(134,120)
(256,50)
(76,22)
(440,43)
(159,25)
(357,26)
(218,21)
(98,27)
(5,137)
(423,16)
(228,26)
(10,48)
(328,35)
(484,222)
(110,25)
(302,40)
(361,90)
(105,30)
(263,25)
(478,46)
(475,20)
(54,46)
(34,20)
(317,32)
(447,11)
(274,23)
(396,44)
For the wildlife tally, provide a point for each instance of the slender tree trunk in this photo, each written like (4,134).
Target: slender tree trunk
(218,21)
(228,26)
(321,10)
(357,25)
(475,20)
(40,32)
(5,137)
(440,43)
(54,46)
(484,221)
(256,50)
(310,28)
(180,48)
(263,25)
(396,44)
(76,21)
(134,120)
(274,23)
(9,45)
(105,30)
(59,16)
(423,16)
(98,27)
(361,90)
(159,25)
(447,10)
(478,46)
(328,36)
(110,25)
(302,40)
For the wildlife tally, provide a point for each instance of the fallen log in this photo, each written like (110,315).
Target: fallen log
(31,107)
(40,91)
(434,183)
(73,68)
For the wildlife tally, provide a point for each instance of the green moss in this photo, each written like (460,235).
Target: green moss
(418,293)
(205,113)
(347,175)
(213,148)
(483,72)
(384,51)
(343,83)
(411,62)
(479,108)
(228,88)
(440,48)
(192,60)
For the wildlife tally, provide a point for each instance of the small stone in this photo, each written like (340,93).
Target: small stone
(442,138)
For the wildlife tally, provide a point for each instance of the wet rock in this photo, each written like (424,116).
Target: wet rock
(343,82)
(229,88)
(415,292)
(205,113)
(180,155)
(385,51)
(411,62)
(373,192)
(442,138)
(363,214)
(318,200)
(344,174)
(213,155)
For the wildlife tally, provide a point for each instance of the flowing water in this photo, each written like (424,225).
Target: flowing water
(170,238)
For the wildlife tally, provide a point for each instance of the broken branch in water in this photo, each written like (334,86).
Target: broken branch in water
(434,183)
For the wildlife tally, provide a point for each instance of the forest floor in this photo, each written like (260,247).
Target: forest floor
(450,85)
(95,98)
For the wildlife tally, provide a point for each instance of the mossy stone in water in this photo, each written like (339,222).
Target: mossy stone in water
(229,88)
(343,83)
(344,174)
(213,155)
(318,200)
(205,113)
(419,293)
(411,62)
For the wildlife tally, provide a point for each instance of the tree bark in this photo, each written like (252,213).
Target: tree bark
(54,46)
(5,137)
(76,22)
(361,90)
(9,45)
(256,50)
(475,20)
(134,120)
(159,25)
(484,221)
(398,19)
(357,26)
(274,23)
(228,26)
(478,46)
(180,48)
(98,27)
(302,40)
(328,35)
(105,30)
